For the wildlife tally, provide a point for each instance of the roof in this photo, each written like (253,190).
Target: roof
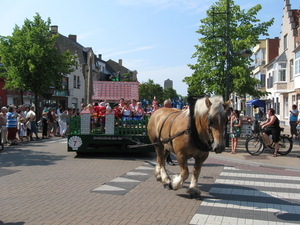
(281,58)
(115,67)
(112,91)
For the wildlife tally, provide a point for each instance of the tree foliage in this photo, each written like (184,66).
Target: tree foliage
(209,76)
(31,61)
(170,93)
(147,90)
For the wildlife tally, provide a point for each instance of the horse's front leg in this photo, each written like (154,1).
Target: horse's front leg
(194,189)
(178,180)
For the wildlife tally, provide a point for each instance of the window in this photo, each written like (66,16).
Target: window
(293,99)
(297,63)
(78,83)
(270,80)
(281,75)
(286,107)
(281,71)
(74,82)
(291,70)
(263,80)
(277,108)
(285,42)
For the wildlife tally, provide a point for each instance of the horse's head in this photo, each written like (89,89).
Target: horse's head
(213,120)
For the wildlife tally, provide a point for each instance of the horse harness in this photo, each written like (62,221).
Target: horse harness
(191,131)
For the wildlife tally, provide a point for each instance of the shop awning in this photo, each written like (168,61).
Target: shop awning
(259,103)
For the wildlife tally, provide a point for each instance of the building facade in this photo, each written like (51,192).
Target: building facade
(282,73)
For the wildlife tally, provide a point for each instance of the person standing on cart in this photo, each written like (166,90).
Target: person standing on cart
(272,127)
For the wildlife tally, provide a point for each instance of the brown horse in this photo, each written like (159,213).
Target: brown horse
(188,134)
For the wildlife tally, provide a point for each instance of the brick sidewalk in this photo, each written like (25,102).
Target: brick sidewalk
(42,183)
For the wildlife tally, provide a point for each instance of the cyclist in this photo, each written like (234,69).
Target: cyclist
(272,127)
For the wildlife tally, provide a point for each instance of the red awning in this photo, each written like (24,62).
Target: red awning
(112,91)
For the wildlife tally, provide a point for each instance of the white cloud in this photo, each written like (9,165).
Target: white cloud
(131,50)
(87,34)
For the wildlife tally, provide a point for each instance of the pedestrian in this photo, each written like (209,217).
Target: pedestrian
(50,123)
(3,121)
(33,128)
(28,128)
(235,130)
(293,120)
(44,125)
(62,122)
(272,127)
(11,125)
(22,129)
(22,112)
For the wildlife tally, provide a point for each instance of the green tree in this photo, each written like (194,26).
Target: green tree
(170,93)
(31,61)
(147,90)
(244,29)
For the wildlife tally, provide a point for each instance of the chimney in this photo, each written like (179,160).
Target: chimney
(100,56)
(120,62)
(73,37)
(54,29)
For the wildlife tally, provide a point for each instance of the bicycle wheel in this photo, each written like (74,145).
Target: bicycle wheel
(285,145)
(254,146)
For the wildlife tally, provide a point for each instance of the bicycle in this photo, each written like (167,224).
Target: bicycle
(256,144)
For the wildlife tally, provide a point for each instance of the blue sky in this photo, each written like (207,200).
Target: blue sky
(154,37)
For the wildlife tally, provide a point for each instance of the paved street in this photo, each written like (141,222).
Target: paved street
(41,183)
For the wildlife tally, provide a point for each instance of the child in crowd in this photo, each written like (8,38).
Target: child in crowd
(22,129)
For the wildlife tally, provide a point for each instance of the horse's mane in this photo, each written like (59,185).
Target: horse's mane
(215,109)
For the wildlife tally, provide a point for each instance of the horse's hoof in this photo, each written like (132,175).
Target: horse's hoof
(194,193)
(158,179)
(168,186)
(195,196)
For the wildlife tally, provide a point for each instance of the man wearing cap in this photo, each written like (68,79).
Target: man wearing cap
(3,121)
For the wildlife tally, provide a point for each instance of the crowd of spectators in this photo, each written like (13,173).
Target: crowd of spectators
(19,124)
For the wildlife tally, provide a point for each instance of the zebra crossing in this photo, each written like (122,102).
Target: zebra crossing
(247,197)
(127,182)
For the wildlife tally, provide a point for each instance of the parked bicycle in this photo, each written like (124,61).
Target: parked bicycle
(256,144)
